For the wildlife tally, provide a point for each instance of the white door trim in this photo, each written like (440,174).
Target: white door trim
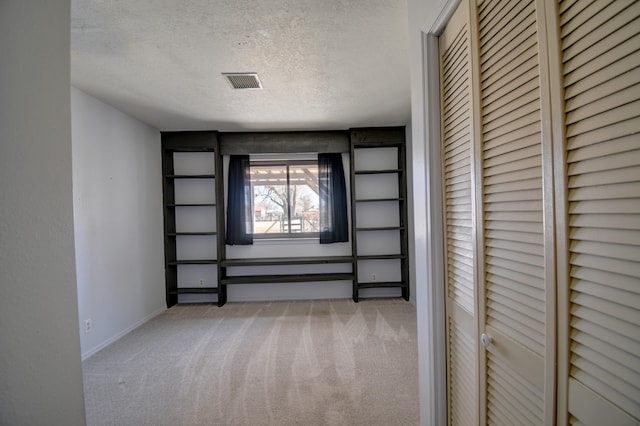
(430,297)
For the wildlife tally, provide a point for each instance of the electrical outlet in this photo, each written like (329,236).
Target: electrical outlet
(373,277)
(201,283)
(88,325)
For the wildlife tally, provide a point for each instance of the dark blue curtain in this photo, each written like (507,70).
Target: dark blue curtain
(334,224)
(239,223)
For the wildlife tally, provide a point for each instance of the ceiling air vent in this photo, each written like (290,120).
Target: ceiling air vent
(243,80)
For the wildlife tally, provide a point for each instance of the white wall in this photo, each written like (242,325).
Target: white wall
(424,18)
(117,201)
(40,369)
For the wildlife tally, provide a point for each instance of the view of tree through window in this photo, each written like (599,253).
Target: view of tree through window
(285,198)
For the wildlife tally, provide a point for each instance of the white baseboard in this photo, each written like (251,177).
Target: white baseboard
(112,339)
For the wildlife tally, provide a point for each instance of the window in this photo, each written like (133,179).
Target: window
(285,198)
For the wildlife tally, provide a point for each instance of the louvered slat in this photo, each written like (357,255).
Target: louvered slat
(600,56)
(462,374)
(517,14)
(582,80)
(608,34)
(511,399)
(514,280)
(517,207)
(575,422)
(579,20)
(514,293)
(520,328)
(457,152)
(597,335)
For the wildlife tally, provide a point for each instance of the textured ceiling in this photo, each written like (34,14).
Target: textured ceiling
(324,64)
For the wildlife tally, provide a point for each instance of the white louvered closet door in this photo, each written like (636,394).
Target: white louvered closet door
(516,268)
(457,126)
(600,62)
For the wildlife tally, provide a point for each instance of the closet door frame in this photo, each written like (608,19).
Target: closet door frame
(433,371)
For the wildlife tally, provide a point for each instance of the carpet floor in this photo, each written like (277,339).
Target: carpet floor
(326,362)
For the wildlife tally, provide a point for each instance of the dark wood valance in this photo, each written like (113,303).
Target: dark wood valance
(283,142)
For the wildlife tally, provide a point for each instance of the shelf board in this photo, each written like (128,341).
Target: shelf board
(389,143)
(195,290)
(177,234)
(377,172)
(263,261)
(192,262)
(382,228)
(190,176)
(380,256)
(377,200)
(191,205)
(189,149)
(379,284)
(270,279)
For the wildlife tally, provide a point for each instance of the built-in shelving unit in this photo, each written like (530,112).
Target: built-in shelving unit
(192,202)
(197,269)
(379,210)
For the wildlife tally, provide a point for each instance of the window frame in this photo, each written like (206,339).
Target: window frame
(289,162)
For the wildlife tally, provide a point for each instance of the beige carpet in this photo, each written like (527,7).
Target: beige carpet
(331,362)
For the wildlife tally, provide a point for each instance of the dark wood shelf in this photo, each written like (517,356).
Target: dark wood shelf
(381,256)
(195,290)
(171,150)
(382,228)
(190,176)
(177,234)
(378,200)
(377,172)
(286,278)
(271,279)
(265,261)
(192,262)
(382,284)
(170,205)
